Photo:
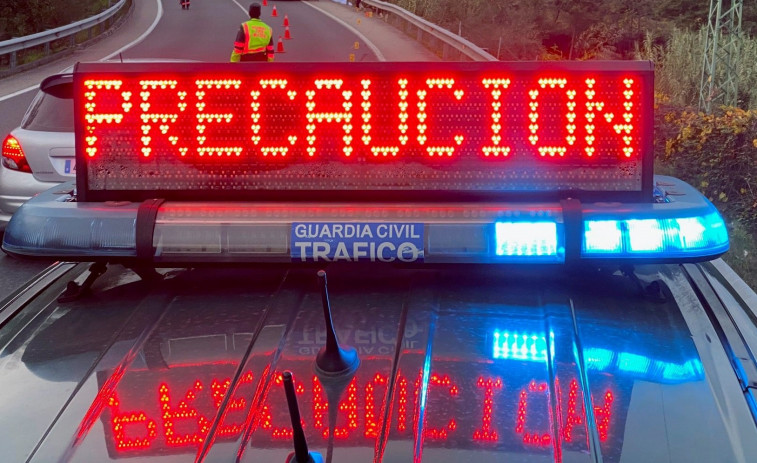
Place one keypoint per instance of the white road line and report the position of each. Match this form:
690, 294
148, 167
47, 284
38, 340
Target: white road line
141, 37
374, 48
240, 6
19, 92
125, 47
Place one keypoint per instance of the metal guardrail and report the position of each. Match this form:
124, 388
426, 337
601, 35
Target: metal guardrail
13, 46
448, 46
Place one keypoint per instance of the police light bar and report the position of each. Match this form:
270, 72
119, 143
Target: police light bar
364, 132
680, 226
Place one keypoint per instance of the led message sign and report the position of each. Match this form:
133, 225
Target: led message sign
378, 130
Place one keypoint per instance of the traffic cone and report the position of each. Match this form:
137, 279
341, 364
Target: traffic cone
273, 11
286, 20
287, 35
280, 48
265, 2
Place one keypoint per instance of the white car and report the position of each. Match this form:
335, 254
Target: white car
37, 154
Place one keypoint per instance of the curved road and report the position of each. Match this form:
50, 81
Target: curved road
321, 31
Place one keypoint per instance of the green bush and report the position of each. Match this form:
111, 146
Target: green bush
25, 17
678, 67
742, 257
716, 153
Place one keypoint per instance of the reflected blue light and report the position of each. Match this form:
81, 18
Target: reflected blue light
680, 372
526, 238
520, 346
598, 359
633, 363
532, 347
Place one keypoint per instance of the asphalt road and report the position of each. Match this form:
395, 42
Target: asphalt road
320, 31
205, 32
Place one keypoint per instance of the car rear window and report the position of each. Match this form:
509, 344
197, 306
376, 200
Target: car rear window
49, 114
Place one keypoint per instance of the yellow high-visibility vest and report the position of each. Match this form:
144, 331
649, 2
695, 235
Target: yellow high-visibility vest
258, 36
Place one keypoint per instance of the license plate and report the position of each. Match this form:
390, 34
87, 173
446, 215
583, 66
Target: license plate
69, 167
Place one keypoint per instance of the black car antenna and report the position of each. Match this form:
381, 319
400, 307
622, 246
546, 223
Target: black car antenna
332, 360
301, 453
335, 365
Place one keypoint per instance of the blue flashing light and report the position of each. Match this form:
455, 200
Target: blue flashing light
537, 239
656, 238
645, 235
678, 234
691, 232
603, 236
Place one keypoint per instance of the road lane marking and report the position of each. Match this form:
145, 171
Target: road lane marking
125, 47
374, 48
144, 34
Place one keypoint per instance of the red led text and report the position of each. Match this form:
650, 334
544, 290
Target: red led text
180, 415
546, 115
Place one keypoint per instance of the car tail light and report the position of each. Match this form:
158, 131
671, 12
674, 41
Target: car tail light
13, 155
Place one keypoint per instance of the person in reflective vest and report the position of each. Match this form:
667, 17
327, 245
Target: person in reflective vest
184, 4
254, 40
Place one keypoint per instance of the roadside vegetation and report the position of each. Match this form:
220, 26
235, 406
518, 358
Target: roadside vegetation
716, 153
19, 18
25, 17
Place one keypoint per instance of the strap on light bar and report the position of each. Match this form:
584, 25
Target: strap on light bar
572, 218
681, 226
145, 228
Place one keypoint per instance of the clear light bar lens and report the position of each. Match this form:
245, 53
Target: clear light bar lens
603, 236
645, 235
526, 238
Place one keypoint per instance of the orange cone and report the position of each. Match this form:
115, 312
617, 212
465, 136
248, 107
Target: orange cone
286, 20
287, 35
273, 11
280, 48
265, 2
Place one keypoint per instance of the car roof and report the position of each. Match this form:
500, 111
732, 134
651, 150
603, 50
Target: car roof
455, 362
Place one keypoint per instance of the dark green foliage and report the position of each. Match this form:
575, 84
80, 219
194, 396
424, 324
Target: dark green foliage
717, 153
569, 29
24, 17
